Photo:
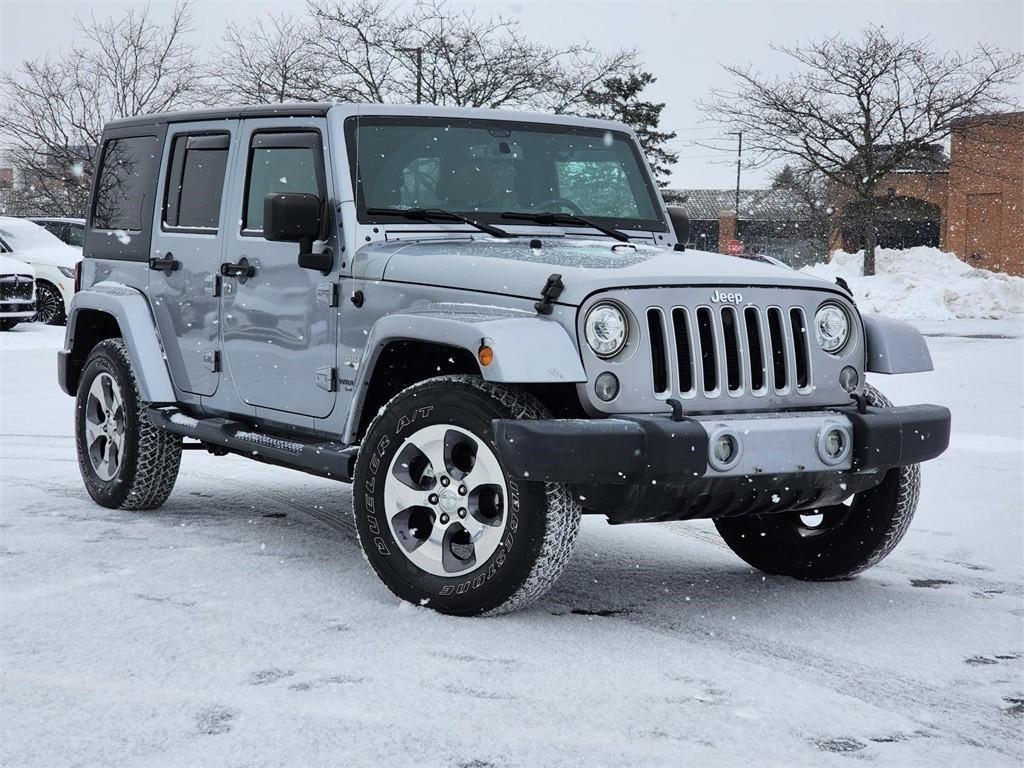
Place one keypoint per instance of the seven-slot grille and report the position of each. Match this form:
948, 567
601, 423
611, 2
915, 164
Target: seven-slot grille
708, 351
15, 287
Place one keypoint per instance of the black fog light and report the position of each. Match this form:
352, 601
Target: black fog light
849, 378
833, 444
607, 386
723, 449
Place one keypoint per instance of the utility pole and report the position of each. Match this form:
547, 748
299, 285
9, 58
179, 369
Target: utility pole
739, 157
418, 50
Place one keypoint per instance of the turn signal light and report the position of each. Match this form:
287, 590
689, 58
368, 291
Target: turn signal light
486, 355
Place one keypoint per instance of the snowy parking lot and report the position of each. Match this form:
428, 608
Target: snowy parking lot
240, 625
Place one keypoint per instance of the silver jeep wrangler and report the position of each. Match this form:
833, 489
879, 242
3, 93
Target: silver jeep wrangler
488, 322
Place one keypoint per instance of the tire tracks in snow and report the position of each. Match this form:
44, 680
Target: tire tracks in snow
936, 709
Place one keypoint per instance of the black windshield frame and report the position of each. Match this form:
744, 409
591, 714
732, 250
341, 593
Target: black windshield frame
353, 123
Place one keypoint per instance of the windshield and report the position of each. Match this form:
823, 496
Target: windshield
22, 235
484, 168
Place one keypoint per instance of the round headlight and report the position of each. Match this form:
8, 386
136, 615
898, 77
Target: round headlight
606, 329
832, 327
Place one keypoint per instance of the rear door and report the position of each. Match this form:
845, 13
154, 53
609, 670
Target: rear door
187, 250
280, 325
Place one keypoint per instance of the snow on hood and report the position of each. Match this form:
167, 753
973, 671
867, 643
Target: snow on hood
9, 266
513, 268
926, 284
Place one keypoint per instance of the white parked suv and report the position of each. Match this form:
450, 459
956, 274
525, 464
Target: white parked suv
17, 291
54, 264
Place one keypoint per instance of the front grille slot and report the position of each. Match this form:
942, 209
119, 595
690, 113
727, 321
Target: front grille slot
778, 347
15, 288
800, 347
708, 356
684, 357
659, 358
731, 334
755, 349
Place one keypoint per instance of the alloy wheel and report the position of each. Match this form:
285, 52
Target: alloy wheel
446, 500
48, 305
105, 426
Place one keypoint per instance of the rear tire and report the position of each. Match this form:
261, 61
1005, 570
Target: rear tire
455, 532
848, 538
125, 461
8, 323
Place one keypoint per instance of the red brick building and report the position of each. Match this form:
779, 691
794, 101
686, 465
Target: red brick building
971, 204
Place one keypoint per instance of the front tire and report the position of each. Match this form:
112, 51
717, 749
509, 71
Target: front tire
49, 305
440, 521
844, 539
125, 461
8, 323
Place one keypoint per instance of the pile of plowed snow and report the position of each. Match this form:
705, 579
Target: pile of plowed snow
926, 284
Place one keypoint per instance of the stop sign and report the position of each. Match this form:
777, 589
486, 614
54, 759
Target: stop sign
734, 247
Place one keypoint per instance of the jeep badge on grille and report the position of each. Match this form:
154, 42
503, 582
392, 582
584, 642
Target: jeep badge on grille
726, 298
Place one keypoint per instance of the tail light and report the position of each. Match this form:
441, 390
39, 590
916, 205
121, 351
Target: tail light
78, 277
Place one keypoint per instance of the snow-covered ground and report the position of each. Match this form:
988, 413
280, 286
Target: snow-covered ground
239, 625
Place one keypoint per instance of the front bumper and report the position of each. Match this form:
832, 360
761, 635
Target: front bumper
639, 450
17, 309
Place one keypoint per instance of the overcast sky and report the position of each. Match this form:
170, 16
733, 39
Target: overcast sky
683, 43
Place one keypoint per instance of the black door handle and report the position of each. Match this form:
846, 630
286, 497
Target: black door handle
167, 264
243, 269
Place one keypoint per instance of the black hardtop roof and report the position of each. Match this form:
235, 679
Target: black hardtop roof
225, 113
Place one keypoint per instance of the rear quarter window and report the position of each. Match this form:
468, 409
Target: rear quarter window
124, 188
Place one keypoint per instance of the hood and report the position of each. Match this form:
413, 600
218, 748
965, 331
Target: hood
513, 268
67, 256
9, 266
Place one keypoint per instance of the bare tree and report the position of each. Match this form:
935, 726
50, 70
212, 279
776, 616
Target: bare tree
271, 61
54, 108
855, 110
375, 50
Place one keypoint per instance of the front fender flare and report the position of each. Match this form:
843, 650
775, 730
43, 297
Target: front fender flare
894, 346
528, 349
130, 310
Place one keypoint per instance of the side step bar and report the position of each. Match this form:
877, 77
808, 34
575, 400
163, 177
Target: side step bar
324, 458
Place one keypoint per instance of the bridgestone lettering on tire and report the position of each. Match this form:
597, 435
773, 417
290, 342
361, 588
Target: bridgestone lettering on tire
125, 461
455, 532
846, 540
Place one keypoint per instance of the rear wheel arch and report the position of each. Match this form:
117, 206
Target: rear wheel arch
86, 328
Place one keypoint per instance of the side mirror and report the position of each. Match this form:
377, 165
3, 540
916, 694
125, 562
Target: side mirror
680, 224
296, 217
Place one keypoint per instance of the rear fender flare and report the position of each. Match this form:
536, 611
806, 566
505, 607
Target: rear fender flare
130, 309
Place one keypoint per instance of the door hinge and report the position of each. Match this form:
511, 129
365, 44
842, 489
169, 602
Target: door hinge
327, 378
212, 285
327, 293
211, 358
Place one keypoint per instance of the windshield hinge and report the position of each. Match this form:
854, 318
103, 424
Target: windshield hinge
552, 290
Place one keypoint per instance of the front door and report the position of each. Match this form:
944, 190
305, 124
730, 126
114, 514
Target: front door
187, 250
279, 325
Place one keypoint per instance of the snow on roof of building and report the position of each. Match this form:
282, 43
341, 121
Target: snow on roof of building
755, 204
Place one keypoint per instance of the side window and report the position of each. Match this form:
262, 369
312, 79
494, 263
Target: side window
195, 181
281, 162
126, 179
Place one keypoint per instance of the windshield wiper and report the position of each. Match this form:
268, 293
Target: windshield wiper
565, 218
437, 214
